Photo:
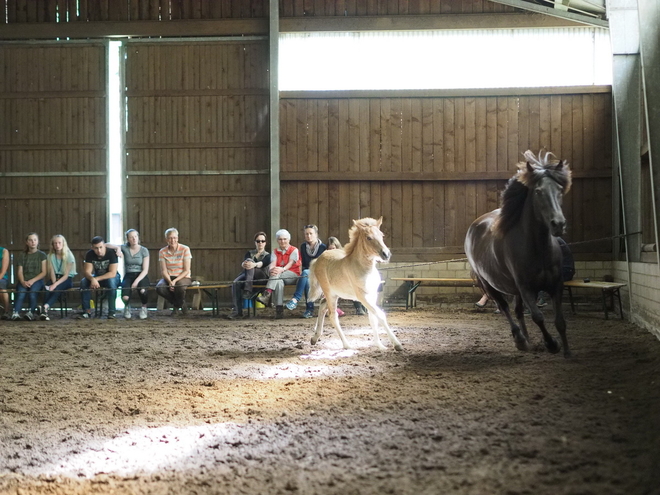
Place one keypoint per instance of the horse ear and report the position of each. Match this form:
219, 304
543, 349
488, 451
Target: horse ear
380, 222
529, 167
560, 165
354, 222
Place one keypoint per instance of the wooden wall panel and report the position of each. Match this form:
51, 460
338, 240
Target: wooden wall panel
430, 166
298, 8
197, 148
52, 143
130, 10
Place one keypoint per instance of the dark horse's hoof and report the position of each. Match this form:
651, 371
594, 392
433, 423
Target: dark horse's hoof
553, 346
521, 344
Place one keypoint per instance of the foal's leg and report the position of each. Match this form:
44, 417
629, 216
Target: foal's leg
319, 322
376, 316
560, 323
334, 317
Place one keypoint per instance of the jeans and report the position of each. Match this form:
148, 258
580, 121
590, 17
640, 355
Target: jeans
302, 287
244, 282
54, 296
108, 283
33, 292
142, 286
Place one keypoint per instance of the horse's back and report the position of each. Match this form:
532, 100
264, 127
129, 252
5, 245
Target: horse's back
340, 275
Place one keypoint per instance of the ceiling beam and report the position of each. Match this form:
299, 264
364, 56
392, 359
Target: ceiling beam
542, 9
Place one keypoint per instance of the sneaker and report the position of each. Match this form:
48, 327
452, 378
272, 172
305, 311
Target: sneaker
15, 316
308, 314
541, 303
340, 312
127, 312
264, 298
360, 311
84, 316
143, 313
44, 316
292, 304
28, 316
111, 315
234, 315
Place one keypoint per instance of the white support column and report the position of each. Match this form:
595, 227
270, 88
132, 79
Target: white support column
649, 40
626, 89
274, 111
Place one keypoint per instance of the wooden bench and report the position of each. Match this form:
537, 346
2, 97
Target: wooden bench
414, 282
611, 289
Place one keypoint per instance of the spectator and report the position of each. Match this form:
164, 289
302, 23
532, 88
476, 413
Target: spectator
61, 270
175, 260
31, 271
99, 271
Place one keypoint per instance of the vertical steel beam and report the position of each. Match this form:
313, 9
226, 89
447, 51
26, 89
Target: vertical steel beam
649, 40
274, 114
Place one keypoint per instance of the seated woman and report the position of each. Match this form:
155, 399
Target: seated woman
284, 269
175, 260
311, 249
360, 310
136, 269
61, 270
4, 281
31, 270
255, 266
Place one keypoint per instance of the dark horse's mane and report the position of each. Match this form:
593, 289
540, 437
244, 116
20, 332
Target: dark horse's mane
529, 173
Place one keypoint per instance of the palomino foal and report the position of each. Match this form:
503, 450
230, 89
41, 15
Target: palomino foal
351, 274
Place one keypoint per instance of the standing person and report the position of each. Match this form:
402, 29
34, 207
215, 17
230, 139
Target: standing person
255, 266
360, 310
311, 249
174, 260
4, 281
61, 270
99, 270
284, 269
30, 273
136, 269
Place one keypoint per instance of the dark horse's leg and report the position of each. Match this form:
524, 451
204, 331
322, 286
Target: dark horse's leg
518, 336
560, 323
520, 315
529, 298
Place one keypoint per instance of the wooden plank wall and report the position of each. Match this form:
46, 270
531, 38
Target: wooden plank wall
164, 10
128, 10
52, 143
430, 166
197, 148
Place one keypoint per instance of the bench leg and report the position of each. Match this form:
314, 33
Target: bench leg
570, 298
605, 304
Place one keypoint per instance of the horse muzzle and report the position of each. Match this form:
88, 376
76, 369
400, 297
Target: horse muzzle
385, 254
558, 227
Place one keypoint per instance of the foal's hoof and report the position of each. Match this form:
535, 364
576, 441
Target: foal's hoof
398, 347
314, 340
553, 346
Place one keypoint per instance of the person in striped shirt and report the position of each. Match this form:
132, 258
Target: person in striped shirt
174, 260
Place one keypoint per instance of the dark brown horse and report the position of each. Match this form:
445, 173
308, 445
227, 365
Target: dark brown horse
514, 250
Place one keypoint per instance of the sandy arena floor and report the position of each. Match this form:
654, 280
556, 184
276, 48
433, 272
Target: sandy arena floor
206, 405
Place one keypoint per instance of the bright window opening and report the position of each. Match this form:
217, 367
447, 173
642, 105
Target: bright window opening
445, 59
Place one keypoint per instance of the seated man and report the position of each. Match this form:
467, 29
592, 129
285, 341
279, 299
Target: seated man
99, 270
174, 260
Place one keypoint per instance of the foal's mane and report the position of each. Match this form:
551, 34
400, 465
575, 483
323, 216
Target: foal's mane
359, 226
529, 173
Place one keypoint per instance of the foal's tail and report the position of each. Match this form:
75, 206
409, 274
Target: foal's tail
315, 291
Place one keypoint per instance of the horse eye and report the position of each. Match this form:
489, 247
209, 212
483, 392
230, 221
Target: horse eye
369, 238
